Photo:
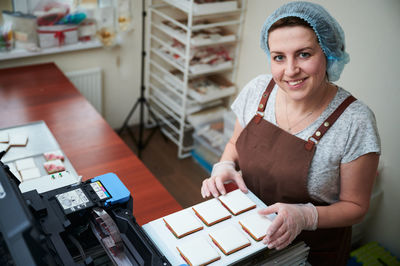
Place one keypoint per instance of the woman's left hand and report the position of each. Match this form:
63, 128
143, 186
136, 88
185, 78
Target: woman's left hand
290, 221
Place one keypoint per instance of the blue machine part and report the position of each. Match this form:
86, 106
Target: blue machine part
118, 192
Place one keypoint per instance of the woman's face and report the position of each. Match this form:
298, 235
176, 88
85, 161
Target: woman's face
298, 63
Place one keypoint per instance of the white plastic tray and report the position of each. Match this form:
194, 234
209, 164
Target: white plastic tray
206, 8
175, 104
206, 68
212, 94
167, 242
197, 41
40, 140
198, 69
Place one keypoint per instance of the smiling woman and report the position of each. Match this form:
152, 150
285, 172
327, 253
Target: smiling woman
298, 65
305, 146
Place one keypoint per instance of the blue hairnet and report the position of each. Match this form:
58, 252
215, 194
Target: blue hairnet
329, 33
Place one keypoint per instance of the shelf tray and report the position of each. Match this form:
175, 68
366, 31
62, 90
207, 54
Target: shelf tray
206, 8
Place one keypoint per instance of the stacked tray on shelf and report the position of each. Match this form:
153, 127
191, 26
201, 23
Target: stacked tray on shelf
202, 89
208, 36
204, 8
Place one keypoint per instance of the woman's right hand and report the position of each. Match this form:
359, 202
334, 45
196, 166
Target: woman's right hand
222, 172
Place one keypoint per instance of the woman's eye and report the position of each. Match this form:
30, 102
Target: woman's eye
278, 58
305, 55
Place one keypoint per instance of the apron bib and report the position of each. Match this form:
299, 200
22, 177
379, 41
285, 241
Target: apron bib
275, 165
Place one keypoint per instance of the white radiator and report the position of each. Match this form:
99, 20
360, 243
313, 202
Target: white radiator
89, 83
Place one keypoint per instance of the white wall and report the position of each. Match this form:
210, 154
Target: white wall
373, 42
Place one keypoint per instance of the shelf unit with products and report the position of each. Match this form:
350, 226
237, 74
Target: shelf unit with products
39, 27
192, 51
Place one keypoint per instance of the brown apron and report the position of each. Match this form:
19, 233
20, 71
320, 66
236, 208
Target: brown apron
275, 165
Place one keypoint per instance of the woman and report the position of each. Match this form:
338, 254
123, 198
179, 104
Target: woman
304, 146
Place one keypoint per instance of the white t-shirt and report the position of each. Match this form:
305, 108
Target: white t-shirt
352, 135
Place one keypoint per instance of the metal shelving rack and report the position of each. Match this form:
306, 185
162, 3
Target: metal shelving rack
167, 92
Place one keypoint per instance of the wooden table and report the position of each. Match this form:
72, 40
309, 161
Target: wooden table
42, 92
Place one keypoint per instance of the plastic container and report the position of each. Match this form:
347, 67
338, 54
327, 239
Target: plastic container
198, 157
6, 37
24, 28
209, 144
105, 16
49, 12
372, 254
204, 154
124, 15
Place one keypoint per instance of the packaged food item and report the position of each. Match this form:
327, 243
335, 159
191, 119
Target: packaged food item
124, 15
54, 155
49, 12
6, 37
54, 166
107, 36
23, 27
75, 18
87, 28
106, 31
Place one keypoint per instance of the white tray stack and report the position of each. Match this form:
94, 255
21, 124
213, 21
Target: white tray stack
192, 61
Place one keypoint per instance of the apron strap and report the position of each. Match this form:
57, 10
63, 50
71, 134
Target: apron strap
263, 101
320, 132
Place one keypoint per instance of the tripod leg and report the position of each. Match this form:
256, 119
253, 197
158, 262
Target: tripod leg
132, 136
142, 100
157, 123
154, 129
128, 117
140, 145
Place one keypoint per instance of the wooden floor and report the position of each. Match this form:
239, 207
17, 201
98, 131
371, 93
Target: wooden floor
181, 177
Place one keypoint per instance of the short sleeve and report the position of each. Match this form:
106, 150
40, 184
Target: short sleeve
363, 136
245, 104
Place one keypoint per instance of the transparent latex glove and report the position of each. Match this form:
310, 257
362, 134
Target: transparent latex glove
222, 172
290, 221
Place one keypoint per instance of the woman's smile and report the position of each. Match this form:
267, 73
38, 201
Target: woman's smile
296, 83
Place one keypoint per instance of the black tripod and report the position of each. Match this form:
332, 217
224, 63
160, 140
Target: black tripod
141, 101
